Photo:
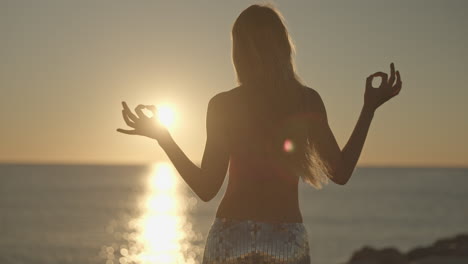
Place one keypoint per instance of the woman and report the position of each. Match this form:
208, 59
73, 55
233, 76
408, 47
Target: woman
271, 130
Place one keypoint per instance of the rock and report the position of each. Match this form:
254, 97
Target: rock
441, 260
369, 255
444, 251
457, 246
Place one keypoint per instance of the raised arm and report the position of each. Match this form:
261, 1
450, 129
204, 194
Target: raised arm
205, 181
343, 162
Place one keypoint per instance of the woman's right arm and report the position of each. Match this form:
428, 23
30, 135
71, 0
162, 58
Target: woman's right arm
342, 163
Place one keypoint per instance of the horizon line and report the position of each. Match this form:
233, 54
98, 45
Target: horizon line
148, 163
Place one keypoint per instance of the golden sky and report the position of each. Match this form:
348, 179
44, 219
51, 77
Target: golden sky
65, 66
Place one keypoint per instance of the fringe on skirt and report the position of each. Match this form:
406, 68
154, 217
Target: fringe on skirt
246, 242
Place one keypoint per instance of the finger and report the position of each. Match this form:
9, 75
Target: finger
398, 77
125, 106
398, 85
369, 81
128, 132
139, 112
398, 80
127, 110
396, 92
152, 108
384, 77
392, 75
127, 120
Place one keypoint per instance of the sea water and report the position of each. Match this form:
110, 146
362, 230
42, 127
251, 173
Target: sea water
146, 214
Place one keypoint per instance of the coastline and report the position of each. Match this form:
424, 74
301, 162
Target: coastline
452, 250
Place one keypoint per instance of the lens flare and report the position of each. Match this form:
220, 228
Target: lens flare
288, 146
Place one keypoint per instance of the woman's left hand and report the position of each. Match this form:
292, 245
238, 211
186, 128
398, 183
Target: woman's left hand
389, 87
143, 125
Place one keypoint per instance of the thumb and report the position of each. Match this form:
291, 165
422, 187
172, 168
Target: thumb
152, 108
369, 81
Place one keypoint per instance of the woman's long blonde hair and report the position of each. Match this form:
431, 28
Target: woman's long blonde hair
262, 54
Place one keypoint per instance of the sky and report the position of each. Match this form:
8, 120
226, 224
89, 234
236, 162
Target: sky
65, 66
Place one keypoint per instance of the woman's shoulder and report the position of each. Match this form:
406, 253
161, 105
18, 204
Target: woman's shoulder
239, 92
310, 91
222, 99
314, 100
225, 96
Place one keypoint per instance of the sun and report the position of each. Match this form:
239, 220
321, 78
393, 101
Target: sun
166, 115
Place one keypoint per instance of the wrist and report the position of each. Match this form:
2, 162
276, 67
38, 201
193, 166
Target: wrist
165, 140
368, 110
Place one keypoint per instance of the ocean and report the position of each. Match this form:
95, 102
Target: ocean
145, 214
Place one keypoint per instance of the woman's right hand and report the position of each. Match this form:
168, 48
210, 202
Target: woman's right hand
390, 87
143, 125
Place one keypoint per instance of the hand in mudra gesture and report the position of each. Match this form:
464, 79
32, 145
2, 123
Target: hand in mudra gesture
390, 87
143, 125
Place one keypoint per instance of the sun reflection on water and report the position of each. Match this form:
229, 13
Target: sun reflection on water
162, 234
166, 233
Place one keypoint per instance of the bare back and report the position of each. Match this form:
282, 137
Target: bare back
260, 186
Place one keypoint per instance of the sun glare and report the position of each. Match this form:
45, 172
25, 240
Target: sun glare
166, 115
163, 236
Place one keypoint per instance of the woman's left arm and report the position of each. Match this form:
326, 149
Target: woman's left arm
206, 180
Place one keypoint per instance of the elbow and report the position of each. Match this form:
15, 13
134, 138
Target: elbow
206, 196
340, 177
340, 180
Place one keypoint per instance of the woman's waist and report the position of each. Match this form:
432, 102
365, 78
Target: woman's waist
235, 207
251, 222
